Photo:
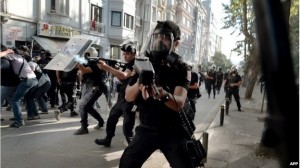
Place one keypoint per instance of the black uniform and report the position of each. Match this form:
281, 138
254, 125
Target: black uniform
192, 93
93, 87
211, 83
233, 90
160, 127
219, 81
122, 108
67, 88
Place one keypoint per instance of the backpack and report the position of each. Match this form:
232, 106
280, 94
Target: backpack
14, 79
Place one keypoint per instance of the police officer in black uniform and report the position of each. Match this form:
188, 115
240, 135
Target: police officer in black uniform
67, 82
93, 87
219, 80
121, 107
211, 81
193, 88
232, 84
160, 124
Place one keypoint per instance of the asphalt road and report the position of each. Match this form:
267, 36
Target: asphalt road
49, 143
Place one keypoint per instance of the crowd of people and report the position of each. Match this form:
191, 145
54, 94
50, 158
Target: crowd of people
156, 96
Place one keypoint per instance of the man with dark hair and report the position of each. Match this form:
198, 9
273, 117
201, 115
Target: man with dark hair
160, 125
121, 107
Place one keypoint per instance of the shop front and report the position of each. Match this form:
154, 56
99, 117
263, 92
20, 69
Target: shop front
53, 37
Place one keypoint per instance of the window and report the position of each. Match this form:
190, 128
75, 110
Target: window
115, 52
53, 5
96, 13
160, 15
154, 14
128, 21
59, 6
116, 18
62, 4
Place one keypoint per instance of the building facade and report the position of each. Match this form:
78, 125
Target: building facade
110, 23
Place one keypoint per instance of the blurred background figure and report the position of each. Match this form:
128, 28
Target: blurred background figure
219, 80
211, 81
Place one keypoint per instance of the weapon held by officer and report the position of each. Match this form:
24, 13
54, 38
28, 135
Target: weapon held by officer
146, 73
110, 62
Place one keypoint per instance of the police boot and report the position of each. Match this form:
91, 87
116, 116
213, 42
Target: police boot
105, 142
81, 131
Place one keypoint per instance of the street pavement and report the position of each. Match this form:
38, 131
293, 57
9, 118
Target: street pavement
49, 143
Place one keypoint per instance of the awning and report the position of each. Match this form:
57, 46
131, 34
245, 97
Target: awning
53, 45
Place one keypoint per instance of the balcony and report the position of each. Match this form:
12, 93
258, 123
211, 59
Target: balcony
97, 27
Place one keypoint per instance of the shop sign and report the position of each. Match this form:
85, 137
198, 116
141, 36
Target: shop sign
13, 33
52, 30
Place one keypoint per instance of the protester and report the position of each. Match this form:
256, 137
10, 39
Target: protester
9, 80
28, 81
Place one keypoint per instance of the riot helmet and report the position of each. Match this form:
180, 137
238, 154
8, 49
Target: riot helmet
129, 47
91, 52
161, 41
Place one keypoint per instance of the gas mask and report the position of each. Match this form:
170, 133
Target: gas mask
161, 44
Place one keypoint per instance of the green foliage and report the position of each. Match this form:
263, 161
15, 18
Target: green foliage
234, 18
220, 61
294, 34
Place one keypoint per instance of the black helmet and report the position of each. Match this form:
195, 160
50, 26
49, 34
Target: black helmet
128, 47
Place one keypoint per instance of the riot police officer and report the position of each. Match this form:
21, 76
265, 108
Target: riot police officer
232, 84
160, 125
211, 81
122, 107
